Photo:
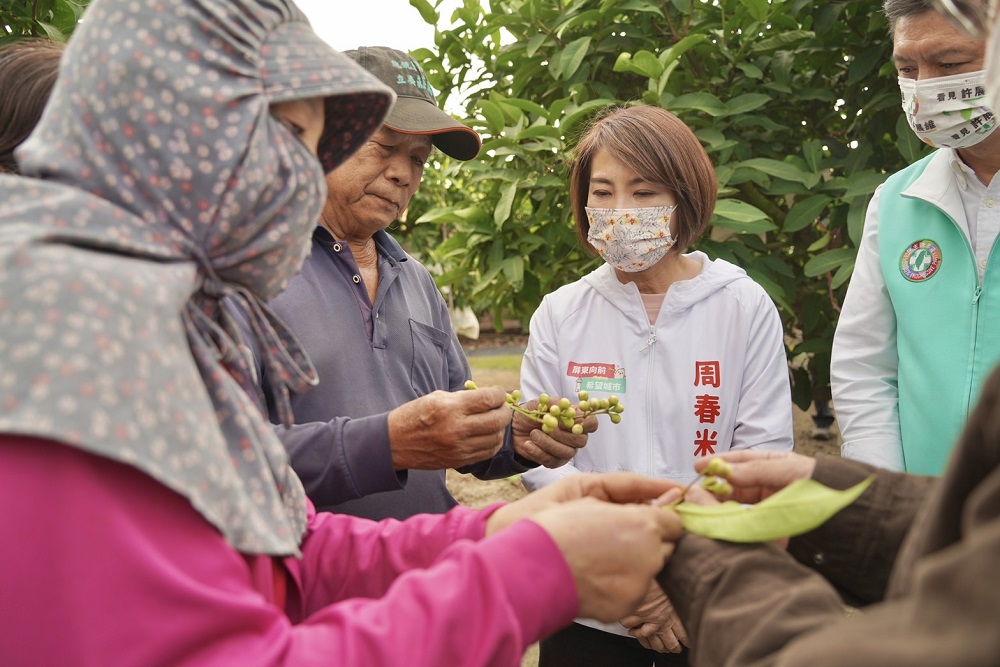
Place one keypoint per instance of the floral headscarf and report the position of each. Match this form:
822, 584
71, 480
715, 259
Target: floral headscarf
163, 185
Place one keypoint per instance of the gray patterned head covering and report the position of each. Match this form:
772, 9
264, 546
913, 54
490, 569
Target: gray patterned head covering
163, 185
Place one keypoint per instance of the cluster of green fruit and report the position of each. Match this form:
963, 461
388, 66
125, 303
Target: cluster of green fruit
714, 478
563, 413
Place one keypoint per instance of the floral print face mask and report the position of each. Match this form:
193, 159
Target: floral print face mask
631, 239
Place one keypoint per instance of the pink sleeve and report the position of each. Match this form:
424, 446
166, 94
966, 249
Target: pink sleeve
104, 566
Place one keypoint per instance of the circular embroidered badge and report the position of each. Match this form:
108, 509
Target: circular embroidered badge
920, 261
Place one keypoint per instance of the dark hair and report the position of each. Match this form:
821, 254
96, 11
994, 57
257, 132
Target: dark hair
897, 9
28, 69
661, 149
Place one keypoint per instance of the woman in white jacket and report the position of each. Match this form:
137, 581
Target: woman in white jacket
693, 347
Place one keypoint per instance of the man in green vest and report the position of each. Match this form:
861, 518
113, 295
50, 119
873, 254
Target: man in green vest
920, 327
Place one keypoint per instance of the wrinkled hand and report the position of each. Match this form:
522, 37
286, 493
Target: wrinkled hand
550, 450
613, 549
655, 624
758, 474
448, 429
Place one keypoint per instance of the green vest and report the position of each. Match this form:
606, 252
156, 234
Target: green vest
947, 325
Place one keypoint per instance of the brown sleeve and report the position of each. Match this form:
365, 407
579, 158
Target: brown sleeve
856, 549
755, 606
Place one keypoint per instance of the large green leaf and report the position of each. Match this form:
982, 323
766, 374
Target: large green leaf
800, 507
828, 261
493, 115
805, 212
757, 8
783, 170
738, 211
642, 62
572, 56
706, 102
747, 102
502, 211
427, 11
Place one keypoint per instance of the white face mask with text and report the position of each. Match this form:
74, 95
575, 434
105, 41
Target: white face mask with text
949, 111
631, 239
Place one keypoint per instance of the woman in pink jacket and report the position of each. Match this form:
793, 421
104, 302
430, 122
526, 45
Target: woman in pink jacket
148, 512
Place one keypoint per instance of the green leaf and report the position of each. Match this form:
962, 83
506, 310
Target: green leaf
812, 152
843, 274
805, 212
819, 243
751, 227
747, 102
828, 261
782, 40
751, 70
734, 209
494, 116
782, 170
572, 56
53, 33
643, 62
706, 102
756, 8
502, 211
864, 183
427, 12
800, 507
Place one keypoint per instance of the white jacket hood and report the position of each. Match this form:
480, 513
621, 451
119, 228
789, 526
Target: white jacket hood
682, 295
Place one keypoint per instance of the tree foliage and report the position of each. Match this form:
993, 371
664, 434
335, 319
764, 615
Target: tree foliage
55, 19
795, 101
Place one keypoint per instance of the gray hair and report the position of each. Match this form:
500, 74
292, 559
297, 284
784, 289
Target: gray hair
897, 9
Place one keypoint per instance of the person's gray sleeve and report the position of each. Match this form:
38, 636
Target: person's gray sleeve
340, 460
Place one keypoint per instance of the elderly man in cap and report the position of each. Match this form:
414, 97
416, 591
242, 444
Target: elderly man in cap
375, 437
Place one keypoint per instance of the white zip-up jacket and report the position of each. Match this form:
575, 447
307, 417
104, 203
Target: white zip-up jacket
709, 376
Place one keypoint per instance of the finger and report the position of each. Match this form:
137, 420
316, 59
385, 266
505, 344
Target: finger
529, 450
554, 445
669, 497
700, 496
590, 424
553, 453
670, 526
640, 630
490, 423
657, 644
625, 487
483, 399
742, 456
680, 632
566, 437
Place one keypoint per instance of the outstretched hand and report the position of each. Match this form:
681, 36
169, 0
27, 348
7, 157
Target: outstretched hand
757, 474
614, 541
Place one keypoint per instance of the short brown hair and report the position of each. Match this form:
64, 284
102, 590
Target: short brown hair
28, 69
661, 149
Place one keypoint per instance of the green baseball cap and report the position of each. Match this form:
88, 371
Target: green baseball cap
415, 110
